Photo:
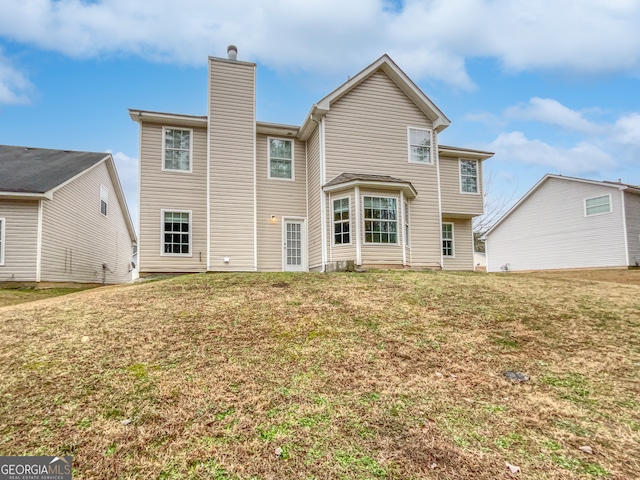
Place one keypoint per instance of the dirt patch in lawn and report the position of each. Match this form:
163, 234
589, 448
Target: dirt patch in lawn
363, 376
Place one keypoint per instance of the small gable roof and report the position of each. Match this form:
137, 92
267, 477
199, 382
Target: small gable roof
389, 67
38, 170
347, 180
547, 177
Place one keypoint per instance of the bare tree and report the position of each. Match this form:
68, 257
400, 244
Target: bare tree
495, 206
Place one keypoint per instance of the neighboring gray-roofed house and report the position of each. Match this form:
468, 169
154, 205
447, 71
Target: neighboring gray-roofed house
63, 217
566, 222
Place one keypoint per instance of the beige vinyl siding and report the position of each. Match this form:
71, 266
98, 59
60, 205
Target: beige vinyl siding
549, 230
454, 202
462, 245
366, 133
232, 163
77, 239
172, 191
313, 198
341, 252
632, 210
280, 198
20, 240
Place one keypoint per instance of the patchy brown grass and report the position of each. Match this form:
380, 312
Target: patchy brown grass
12, 295
356, 376
623, 276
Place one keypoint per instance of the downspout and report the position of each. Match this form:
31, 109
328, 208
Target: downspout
403, 230
624, 228
208, 167
39, 243
323, 206
358, 232
437, 162
255, 178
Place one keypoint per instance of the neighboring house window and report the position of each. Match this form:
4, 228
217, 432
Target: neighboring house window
447, 239
380, 220
419, 145
341, 222
597, 205
2, 228
280, 158
469, 176
104, 198
177, 149
176, 233
406, 224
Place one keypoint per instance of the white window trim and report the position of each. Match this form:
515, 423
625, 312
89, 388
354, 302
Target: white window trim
430, 133
190, 130
104, 196
3, 229
176, 210
305, 243
453, 240
293, 156
333, 222
364, 219
460, 160
601, 213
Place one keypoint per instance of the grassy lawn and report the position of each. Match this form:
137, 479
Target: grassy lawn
14, 296
356, 376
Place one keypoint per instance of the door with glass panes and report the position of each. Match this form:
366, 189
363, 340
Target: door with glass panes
294, 255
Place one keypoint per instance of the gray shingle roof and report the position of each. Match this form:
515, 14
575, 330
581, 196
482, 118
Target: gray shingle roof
348, 177
38, 170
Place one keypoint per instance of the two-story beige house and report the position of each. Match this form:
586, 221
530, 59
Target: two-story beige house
363, 178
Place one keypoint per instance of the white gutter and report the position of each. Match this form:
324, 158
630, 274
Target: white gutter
624, 228
39, 242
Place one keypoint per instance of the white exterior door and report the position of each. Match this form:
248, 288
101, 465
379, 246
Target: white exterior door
294, 255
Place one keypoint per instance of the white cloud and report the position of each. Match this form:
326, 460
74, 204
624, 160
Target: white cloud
627, 130
14, 85
429, 39
583, 158
548, 110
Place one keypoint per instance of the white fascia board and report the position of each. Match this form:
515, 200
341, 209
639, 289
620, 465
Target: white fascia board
408, 190
27, 195
266, 128
168, 118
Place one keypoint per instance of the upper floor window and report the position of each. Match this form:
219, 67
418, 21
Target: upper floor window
280, 158
447, 239
597, 205
341, 222
469, 176
104, 198
177, 150
419, 145
176, 233
380, 220
2, 228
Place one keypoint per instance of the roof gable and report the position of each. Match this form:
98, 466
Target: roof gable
549, 176
403, 82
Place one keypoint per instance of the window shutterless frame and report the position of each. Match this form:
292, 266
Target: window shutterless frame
177, 235
280, 153
341, 208
419, 145
448, 240
380, 220
600, 205
469, 176
104, 200
177, 148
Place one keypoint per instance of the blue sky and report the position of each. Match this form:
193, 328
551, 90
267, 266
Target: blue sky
551, 86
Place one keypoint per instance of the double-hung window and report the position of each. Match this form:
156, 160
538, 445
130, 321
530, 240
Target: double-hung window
419, 145
469, 176
380, 220
104, 198
447, 240
341, 222
597, 205
176, 233
281, 158
177, 150
2, 229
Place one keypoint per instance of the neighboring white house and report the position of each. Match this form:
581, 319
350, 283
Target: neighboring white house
565, 222
63, 218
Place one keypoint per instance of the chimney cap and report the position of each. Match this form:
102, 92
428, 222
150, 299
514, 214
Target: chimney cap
232, 52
